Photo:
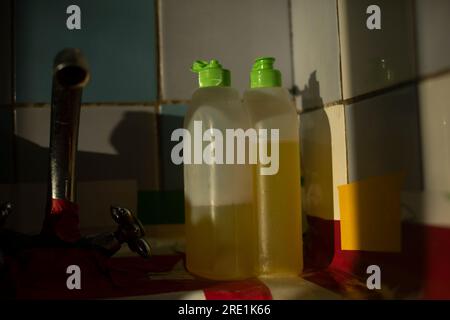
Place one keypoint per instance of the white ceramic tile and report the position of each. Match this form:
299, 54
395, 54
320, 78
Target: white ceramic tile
374, 59
114, 143
324, 160
95, 199
434, 98
383, 137
234, 31
433, 44
33, 124
427, 207
315, 52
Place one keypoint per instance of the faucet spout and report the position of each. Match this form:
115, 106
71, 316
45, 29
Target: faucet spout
70, 75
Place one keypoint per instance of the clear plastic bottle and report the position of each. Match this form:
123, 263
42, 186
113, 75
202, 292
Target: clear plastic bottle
220, 216
277, 196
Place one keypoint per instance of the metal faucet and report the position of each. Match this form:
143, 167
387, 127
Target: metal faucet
70, 76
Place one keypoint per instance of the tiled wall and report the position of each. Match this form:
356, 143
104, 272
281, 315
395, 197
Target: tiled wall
6, 115
140, 55
118, 159
234, 32
371, 102
434, 100
374, 111
315, 45
118, 40
374, 102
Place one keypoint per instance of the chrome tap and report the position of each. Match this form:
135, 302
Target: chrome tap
70, 76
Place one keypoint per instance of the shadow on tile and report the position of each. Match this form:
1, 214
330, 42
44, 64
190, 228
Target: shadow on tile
131, 138
310, 94
383, 132
135, 158
172, 175
317, 175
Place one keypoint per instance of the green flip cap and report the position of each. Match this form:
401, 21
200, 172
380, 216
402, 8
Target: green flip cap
211, 74
263, 74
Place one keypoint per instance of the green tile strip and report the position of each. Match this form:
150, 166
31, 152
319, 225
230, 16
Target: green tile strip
161, 207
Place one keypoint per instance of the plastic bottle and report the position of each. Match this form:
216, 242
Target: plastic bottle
277, 196
220, 217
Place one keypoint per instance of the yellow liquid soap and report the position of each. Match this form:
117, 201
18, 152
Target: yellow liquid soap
220, 241
279, 214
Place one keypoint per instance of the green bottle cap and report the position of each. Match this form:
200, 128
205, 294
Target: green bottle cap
263, 74
211, 74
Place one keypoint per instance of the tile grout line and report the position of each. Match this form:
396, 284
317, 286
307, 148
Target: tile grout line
341, 87
291, 47
90, 104
347, 101
111, 104
414, 37
158, 49
15, 173
156, 104
434, 75
175, 101
159, 96
381, 91
417, 93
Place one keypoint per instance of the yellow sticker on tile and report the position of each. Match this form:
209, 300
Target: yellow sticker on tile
370, 214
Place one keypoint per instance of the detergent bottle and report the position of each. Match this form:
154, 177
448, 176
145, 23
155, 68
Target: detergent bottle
277, 191
220, 217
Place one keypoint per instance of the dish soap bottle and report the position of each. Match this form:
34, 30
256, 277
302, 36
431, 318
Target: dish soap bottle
277, 193
220, 217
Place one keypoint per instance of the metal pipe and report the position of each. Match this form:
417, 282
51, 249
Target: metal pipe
70, 75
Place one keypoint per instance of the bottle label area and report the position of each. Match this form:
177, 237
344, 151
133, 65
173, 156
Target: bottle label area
230, 146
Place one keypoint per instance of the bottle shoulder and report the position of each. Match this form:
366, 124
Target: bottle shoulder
213, 94
218, 106
269, 102
272, 108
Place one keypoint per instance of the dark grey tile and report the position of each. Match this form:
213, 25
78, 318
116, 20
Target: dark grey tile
383, 137
433, 45
117, 37
170, 119
6, 52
